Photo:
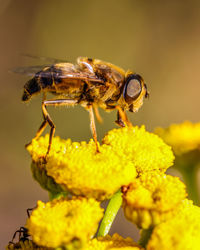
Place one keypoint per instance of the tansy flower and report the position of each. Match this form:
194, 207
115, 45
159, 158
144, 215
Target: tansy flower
146, 150
26, 245
64, 222
115, 242
77, 167
153, 198
184, 139
182, 232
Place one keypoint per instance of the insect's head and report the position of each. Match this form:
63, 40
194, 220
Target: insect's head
134, 91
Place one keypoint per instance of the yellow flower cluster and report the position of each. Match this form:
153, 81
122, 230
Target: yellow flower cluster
78, 168
64, 222
183, 137
115, 242
153, 198
182, 232
145, 149
130, 158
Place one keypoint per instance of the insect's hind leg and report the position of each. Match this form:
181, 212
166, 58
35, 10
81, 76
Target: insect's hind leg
47, 118
39, 132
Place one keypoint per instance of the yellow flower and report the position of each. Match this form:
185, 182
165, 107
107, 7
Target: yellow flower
146, 150
115, 242
185, 141
183, 137
78, 168
153, 198
64, 222
26, 245
182, 232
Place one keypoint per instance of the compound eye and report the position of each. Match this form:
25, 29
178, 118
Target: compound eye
133, 88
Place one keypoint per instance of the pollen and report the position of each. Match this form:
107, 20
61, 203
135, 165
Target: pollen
145, 149
77, 167
153, 198
115, 242
64, 222
180, 232
183, 138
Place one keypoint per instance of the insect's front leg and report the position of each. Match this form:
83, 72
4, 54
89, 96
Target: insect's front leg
122, 119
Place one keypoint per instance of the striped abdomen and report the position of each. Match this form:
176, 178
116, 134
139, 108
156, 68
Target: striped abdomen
43, 80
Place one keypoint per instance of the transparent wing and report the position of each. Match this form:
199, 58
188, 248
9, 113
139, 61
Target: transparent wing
29, 70
59, 71
44, 58
32, 70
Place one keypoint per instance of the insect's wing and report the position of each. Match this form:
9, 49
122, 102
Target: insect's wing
44, 58
70, 72
29, 70
32, 70
58, 71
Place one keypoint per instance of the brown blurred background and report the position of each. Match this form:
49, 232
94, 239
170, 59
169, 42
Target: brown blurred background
158, 39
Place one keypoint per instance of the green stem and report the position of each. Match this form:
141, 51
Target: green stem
145, 236
110, 214
190, 179
53, 196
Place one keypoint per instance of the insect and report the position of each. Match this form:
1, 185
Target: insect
23, 235
92, 83
22, 231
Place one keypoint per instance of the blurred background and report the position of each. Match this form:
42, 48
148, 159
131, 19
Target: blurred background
158, 39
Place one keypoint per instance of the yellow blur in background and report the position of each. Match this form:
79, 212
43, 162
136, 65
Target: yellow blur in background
158, 39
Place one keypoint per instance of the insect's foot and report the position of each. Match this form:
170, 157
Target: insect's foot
120, 123
26, 145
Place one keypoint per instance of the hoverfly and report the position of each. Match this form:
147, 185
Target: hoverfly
92, 83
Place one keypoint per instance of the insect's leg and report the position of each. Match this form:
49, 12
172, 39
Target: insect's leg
48, 120
39, 132
18, 231
93, 127
122, 118
29, 210
57, 102
42, 126
98, 116
119, 120
14, 235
